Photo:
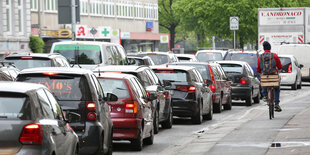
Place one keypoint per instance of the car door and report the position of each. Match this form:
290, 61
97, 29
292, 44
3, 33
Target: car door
218, 86
225, 84
297, 67
205, 90
254, 81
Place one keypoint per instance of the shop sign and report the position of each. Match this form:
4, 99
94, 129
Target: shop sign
149, 26
102, 32
164, 39
125, 35
285, 17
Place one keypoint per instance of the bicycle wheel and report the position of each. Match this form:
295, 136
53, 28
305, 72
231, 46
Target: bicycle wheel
271, 102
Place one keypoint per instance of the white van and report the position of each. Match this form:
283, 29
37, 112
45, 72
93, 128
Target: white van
89, 54
302, 54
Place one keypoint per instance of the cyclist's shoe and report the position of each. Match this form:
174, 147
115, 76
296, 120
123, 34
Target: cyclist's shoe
277, 108
265, 99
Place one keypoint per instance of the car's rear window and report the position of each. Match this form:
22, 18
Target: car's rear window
286, 62
80, 53
209, 56
232, 68
250, 58
14, 106
29, 62
172, 75
63, 86
184, 59
158, 59
116, 86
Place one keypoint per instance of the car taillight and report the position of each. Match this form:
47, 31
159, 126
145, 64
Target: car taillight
166, 95
31, 135
91, 106
91, 116
132, 107
26, 57
50, 73
212, 87
290, 68
211, 74
244, 80
189, 89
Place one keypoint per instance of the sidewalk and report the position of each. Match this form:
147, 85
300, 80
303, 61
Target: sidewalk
294, 137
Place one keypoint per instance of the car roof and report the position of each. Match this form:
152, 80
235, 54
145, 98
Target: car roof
115, 75
42, 55
286, 55
19, 87
243, 52
120, 68
178, 67
212, 51
185, 55
232, 62
189, 63
62, 70
156, 53
83, 42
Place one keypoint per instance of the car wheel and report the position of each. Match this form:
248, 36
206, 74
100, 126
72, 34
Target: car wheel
248, 101
299, 85
197, 119
257, 98
137, 143
168, 123
156, 121
217, 107
110, 146
209, 116
149, 140
101, 148
294, 86
227, 106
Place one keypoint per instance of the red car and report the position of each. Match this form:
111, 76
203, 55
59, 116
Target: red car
132, 113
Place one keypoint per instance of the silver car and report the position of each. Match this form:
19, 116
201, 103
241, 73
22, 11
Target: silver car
291, 74
32, 122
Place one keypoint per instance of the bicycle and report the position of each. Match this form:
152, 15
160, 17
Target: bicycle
270, 97
270, 82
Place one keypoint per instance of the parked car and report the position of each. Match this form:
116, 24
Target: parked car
8, 72
78, 91
245, 85
132, 113
191, 97
186, 57
33, 60
162, 105
159, 57
32, 122
219, 84
291, 72
210, 55
140, 61
89, 54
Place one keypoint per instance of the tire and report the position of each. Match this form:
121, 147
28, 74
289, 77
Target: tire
168, 123
137, 143
156, 121
257, 98
110, 151
248, 101
217, 107
227, 106
294, 86
149, 140
209, 116
197, 119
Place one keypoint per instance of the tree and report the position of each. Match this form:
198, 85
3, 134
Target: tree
168, 19
36, 44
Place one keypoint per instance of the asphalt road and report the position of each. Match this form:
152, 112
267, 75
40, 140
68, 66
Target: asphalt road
242, 130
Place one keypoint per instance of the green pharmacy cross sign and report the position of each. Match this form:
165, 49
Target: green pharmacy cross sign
105, 32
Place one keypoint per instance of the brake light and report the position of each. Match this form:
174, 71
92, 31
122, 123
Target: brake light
151, 53
212, 87
244, 80
31, 135
112, 72
50, 73
211, 74
92, 116
290, 68
148, 94
165, 69
91, 106
189, 89
166, 95
26, 57
132, 107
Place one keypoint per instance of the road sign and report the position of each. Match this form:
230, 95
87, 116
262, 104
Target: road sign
234, 23
93, 31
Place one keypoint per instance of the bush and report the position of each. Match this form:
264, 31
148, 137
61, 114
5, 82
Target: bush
36, 44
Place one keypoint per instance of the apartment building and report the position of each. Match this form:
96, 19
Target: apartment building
15, 26
133, 23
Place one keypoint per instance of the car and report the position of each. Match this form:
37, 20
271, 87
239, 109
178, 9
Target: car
248, 56
89, 54
159, 57
186, 57
132, 113
162, 108
245, 85
8, 72
139, 61
218, 83
191, 97
291, 72
32, 122
210, 55
78, 90
33, 60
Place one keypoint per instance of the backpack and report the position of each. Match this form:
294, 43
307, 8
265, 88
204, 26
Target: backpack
267, 63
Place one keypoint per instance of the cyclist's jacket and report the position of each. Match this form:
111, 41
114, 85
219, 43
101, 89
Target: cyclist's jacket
275, 57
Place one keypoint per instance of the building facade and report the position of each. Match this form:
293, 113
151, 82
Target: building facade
133, 23
15, 27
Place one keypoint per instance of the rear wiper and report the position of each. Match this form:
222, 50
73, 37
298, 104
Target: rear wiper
3, 116
120, 88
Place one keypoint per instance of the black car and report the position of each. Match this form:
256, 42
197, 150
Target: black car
191, 97
78, 91
161, 105
245, 85
158, 58
33, 60
32, 122
8, 72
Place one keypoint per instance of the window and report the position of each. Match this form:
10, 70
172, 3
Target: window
45, 104
51, 5
56, 108
20, 7
34, 5
95, 7
83, 7
8, 10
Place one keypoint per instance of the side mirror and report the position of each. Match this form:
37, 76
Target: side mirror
111, 97
72, 117
301, 65
166, 83
208, 81
152, 96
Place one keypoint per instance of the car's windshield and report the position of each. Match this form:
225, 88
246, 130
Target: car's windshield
14, 106
114, 86
80, 53
64, 87
286, 63
232, 68
171, 75
29, 62
158, 59
209, 56
250, 58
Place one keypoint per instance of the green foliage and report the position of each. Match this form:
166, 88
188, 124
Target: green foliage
36, 44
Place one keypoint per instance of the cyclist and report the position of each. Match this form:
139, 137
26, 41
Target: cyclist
278, 66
